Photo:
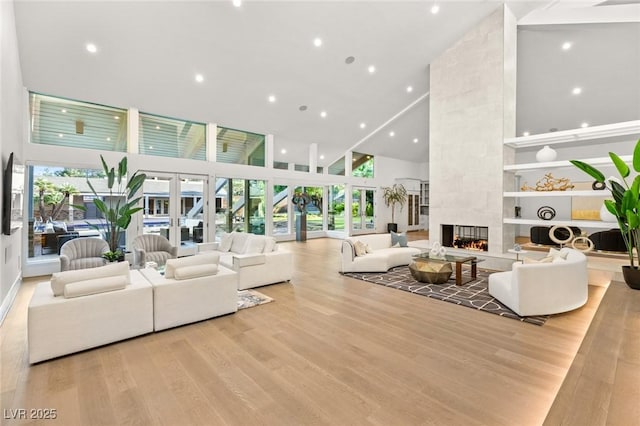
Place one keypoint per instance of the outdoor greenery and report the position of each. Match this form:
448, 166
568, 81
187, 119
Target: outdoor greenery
47, 194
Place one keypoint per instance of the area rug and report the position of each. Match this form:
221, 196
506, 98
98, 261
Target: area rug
473, 295
251, 298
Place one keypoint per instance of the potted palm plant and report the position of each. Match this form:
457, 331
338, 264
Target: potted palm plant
625, 206
395, 194
119, 205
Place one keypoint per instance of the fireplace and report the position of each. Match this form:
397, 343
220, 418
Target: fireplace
466, 237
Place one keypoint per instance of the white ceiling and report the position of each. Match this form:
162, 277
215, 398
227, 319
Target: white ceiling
149, 52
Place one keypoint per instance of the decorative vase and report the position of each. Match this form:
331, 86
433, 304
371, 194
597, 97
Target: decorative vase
546, 154
606, 216
631, 277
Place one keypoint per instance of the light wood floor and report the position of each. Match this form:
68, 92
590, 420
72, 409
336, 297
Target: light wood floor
330, 350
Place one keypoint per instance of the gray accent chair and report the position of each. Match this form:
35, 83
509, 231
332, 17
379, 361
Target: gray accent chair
152, 248
83, 253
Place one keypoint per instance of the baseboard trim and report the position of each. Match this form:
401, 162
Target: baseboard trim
8, 301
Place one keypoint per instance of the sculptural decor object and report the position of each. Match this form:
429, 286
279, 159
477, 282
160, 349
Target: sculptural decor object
549, 183
546, 213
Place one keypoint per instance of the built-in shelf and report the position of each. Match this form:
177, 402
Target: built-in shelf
578, 223
555, 164
521, 194
595, 134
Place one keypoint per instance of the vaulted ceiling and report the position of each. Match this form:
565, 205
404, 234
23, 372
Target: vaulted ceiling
148, 54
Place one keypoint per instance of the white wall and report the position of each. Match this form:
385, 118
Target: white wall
12, 110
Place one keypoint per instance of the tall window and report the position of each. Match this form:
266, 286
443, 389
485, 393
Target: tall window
336, 208
240, 205
53, 193
362, 165
239, 147
337, 168
63, 122
280, 209
314, 208
168, 137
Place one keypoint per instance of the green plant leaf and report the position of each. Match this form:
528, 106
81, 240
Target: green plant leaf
100, 205
588, 169
622, 167
611, 207
122, 169
78, 207
104, 165
628, 203
633, 220
636, 157
617, 191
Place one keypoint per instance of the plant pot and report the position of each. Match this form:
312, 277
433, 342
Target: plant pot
631, 277
392, 227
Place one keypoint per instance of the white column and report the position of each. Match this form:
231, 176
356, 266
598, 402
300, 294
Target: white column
472, 110
348, 163
313, 158
269, 146
133, 124
211, 142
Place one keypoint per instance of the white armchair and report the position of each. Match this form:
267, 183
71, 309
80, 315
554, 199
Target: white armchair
543, 288
152, 248
83, 253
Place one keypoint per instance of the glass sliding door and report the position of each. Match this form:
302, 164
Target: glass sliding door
281, 210
239, 206
336, 208
174, 207
315, 220
362, 210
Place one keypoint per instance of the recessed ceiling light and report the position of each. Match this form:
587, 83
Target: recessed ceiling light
199, 78
323, 114
566, 45
302, 107
317, 42
585, 124
272, 98
115, 117
322, 157
371, 69
349, 60
409, 89
525, 133
150, 146
576, 90
60, 135
435, 9
157, 127
392, 133
108, 139
237, 3
92, 48
363, 125
415, 140
64, 111
283, 151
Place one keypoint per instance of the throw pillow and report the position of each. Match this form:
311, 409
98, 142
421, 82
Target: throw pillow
557, 255
256, 244
200, 259
368, 248
269, 245
60, 279
398, 239
360, 248
195, 271
95, 286
528, 260
240, 242
226, 241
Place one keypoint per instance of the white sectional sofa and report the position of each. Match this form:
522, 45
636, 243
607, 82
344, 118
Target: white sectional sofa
256, 258
86, 308
543, 288
193, 288
382, 255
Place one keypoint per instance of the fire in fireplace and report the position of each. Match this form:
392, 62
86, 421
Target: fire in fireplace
466, 237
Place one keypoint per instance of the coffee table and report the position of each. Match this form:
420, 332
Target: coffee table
458, 260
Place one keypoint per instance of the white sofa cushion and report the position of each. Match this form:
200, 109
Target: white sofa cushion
269, 245
240, 242
95, 286
60, 279
256, 244
226, 241
360, 248
200, 259
195, 271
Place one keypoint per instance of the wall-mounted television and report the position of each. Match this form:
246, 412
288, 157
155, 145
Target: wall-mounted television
12, 196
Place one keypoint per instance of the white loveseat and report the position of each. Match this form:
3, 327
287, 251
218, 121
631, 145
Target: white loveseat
193, 288
543, 288
381, 258
256, 258
86, 308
